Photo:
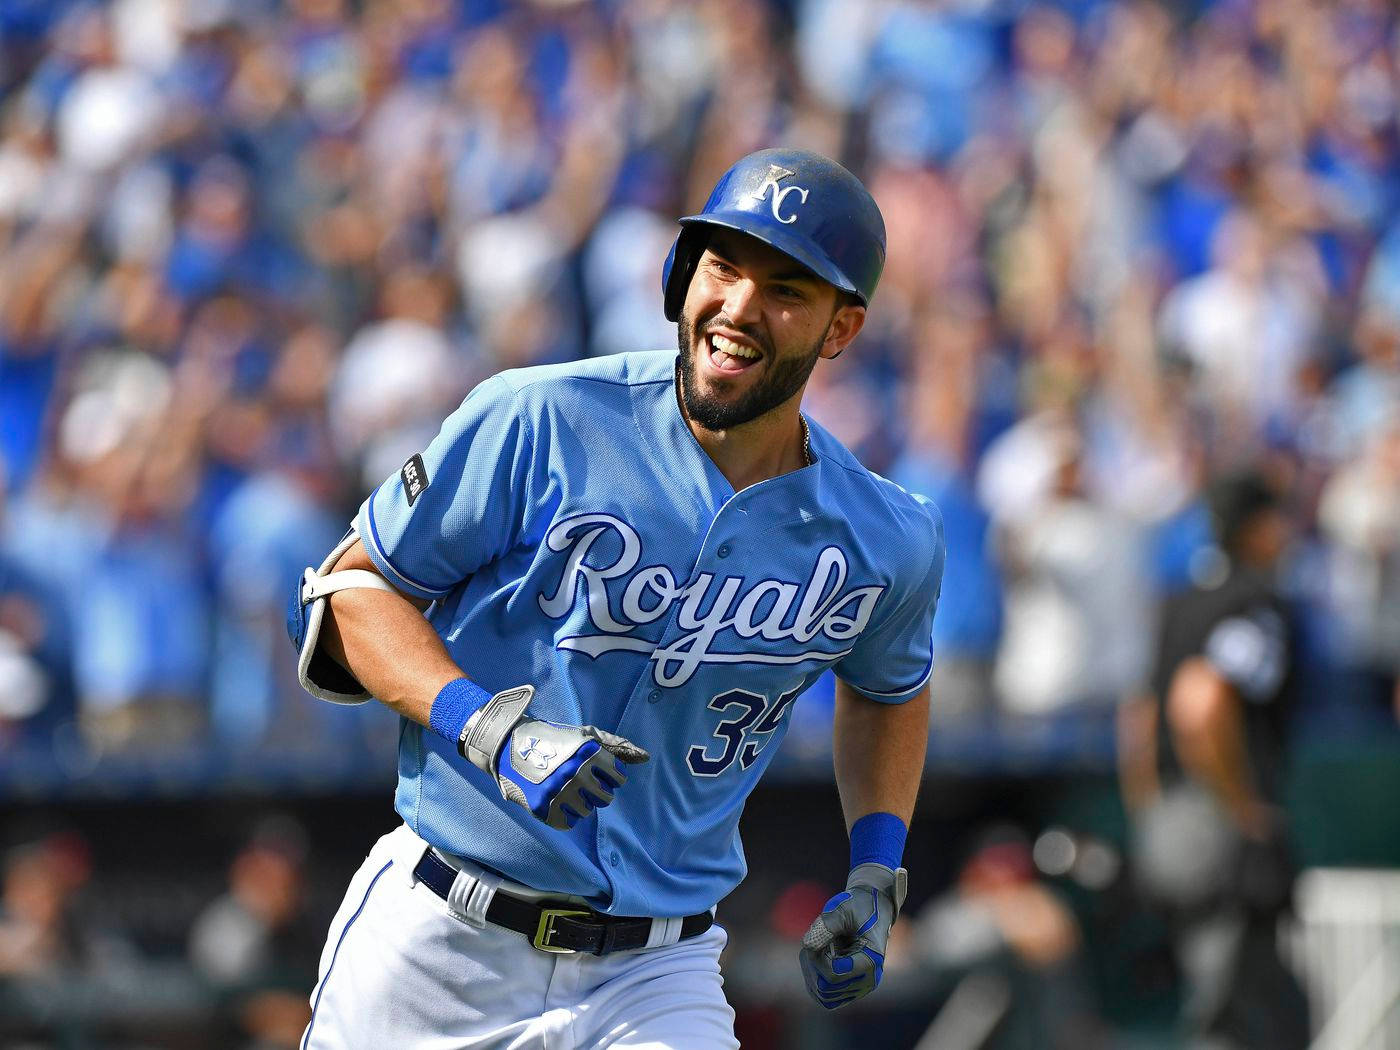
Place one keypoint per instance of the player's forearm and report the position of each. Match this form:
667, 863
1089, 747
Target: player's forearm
879, 753
879, 762
383, 639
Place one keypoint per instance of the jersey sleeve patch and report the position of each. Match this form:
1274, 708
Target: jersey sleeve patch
414, 477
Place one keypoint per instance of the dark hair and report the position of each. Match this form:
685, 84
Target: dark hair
1235, 500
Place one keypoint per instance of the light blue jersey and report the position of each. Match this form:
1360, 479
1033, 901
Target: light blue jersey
575, 536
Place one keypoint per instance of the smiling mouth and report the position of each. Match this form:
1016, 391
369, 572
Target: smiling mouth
729, 356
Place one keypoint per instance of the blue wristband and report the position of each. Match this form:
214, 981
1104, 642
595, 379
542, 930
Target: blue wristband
458, 700
878, 838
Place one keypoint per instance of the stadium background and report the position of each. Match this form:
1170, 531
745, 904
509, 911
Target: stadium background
252, 252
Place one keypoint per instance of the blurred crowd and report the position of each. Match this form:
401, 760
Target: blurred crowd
222, 953
252, 252
221, 959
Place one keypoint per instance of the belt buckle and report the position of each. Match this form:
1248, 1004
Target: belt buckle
545, 930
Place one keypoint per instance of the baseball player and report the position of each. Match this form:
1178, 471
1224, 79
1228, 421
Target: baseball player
593, 601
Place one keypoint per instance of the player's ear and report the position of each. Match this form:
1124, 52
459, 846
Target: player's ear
845, 325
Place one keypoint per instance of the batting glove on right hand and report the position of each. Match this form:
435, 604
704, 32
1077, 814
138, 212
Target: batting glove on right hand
560, 773
843, 952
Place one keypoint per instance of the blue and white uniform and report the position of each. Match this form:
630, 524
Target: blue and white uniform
573, 535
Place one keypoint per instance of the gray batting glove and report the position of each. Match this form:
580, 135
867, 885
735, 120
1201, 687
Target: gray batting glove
560, 773
843, 952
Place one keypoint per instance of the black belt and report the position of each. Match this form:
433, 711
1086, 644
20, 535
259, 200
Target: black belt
565, 929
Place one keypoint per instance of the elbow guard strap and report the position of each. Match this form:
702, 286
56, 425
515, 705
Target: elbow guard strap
320, 675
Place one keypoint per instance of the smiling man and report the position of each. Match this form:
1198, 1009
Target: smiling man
593, 600
743, 294
752, 329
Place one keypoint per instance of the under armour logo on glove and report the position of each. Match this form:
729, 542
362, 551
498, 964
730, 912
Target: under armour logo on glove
537, 753
843, 952
563, 773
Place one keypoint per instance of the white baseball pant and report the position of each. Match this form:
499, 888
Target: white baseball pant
400, 970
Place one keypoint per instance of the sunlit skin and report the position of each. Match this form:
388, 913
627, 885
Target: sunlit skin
745, 412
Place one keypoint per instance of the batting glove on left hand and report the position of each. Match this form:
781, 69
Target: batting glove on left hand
843, 952
560, 773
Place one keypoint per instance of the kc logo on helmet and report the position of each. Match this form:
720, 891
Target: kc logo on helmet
776, 173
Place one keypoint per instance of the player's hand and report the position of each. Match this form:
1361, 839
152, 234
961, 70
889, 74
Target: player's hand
563, 773
560, 773
843, 952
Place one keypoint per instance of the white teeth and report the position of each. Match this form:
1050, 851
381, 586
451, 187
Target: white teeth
732, 348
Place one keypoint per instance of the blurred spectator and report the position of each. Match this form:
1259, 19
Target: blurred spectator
1360, 515
253, 943
36, 688
267, 532
39, 932
34, 280
56, 958
1077, 596
140, 611
947, 390
397, 378
1203, 763
621, 283
1248, 325
1365, 397
1014, 949
282, 515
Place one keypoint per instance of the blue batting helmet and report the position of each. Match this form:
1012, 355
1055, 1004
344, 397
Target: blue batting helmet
799, 202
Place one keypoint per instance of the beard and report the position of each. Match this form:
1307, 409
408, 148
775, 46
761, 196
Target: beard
783, 378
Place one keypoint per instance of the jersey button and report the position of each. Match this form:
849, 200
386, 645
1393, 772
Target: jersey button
723, 551
614, 858
653, 696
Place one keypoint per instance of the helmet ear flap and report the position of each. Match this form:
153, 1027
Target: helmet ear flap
680, 267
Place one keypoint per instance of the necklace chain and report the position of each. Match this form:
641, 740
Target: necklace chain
806, 441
